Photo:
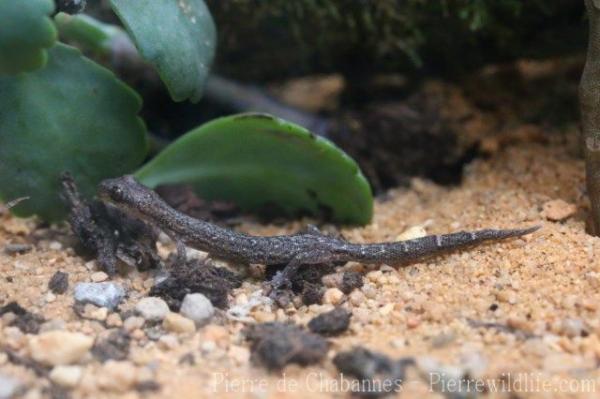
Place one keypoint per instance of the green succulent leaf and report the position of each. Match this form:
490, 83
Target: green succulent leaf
261, 162
26, 31
73, 115
178, 37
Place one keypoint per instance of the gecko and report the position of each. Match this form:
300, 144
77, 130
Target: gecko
303, 248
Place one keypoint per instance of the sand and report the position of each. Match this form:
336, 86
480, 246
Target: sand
542, 291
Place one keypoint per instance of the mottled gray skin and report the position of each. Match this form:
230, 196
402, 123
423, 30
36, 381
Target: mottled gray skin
310, 247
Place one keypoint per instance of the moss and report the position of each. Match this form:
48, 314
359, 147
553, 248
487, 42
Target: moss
271, 39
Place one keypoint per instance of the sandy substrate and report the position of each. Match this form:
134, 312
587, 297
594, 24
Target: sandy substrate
541, 290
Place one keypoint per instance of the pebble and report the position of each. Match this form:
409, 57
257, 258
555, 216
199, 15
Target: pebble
106, 294
9, 386
333, 296
114, 320
198, 308
59, 347
133, 323
558, 210
117, 376
411, 233
572, 327
152, 308
12, 249
356, 298
99, 277
66, 376
177, 323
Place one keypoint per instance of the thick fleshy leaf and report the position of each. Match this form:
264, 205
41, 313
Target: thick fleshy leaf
264, 163
73, 115
177, 36
26, 31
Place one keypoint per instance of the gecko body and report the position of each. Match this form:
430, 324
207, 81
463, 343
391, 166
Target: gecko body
310, 247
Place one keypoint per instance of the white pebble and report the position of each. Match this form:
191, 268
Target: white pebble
152, 308
198, 308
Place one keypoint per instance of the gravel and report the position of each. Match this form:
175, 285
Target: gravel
198, 308
107, 294
152, 308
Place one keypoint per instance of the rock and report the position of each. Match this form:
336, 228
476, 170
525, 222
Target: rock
117, 376
198, 308
177, 323
13, 249
9, 387
59, 347
133, 323
99, 277
558, 210
107, 294
152, 308
333, 296
59, 282
66, 376
412, 233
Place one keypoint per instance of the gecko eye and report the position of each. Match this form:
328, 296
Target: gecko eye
117, 194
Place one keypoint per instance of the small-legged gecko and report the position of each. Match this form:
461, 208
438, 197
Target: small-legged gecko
310, 247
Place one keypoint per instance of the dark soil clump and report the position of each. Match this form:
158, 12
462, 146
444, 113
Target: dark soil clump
334, 322
197, 277
376, 374
115, 346
275, 345
27, 322
110, 234
350, 281
59, 283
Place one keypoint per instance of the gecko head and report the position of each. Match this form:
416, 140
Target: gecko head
125, 192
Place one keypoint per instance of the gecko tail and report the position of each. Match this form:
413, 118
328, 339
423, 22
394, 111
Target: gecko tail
402, 251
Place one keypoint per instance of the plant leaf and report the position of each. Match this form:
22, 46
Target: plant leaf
261, 162
177, 36
26, 31
73, 115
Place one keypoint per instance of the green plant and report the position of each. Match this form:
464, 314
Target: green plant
60, 111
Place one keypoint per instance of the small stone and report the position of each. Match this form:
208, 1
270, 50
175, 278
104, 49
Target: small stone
99, 277
239, 354
413, 322
49, 297
411, 233
9, 387
356, 298
55, 246
59, 283
168, 341
59, 347
106, 294
117, 376
99, 314
66, 376
114, 320
198, 308
13, 249
333, 296
133, 323
558, 210
263, 317
572, 327
177, 323
152, 308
